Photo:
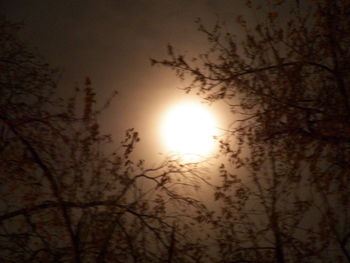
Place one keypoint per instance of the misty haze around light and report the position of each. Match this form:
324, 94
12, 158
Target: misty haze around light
111, 42
175, 131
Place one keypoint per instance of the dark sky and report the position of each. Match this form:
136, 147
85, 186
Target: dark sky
111, 41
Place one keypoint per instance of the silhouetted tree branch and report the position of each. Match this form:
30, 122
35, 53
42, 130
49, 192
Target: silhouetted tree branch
64, 196
286, 80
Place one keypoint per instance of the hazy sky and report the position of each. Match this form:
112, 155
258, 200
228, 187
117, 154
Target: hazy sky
111, 41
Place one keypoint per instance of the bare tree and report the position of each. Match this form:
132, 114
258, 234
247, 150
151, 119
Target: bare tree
64, 197
285, 190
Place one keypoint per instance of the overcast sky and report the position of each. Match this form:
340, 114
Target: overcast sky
111, 41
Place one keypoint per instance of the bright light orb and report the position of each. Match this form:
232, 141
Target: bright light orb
188, 130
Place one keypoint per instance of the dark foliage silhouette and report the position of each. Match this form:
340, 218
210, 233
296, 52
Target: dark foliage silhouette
64, 196
285, 190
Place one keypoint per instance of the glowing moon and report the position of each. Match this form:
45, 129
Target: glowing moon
188, 130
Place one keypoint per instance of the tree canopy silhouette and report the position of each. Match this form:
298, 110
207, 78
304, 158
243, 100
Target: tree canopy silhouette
64, 197
285, 190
